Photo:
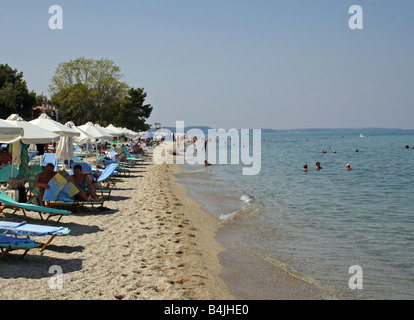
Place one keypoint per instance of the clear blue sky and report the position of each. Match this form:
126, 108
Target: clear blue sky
227, 63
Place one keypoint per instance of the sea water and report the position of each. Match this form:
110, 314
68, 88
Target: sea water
316, 225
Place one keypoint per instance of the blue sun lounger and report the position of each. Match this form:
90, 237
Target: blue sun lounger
119, 169
23, 229
50, 158
8, 243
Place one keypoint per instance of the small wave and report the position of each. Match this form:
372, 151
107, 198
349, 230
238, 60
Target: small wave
246, 198
251, 209
229, 216
327, 292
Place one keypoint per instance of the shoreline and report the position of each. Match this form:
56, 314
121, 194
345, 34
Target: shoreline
154, 242
248, 274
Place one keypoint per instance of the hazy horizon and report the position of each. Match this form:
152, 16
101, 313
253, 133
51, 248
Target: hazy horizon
235, 63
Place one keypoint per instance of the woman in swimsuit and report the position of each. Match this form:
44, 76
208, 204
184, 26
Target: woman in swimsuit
84, 183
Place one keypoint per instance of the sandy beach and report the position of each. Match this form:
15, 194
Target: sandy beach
153, 243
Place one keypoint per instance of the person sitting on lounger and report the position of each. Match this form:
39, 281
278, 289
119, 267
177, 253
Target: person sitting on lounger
84, 183
5, 157
136, 149
121, 157
42, 179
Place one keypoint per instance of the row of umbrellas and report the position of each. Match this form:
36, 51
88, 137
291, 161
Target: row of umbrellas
45, 130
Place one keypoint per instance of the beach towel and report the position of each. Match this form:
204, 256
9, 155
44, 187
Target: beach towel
7, 240
24, 229
60, 189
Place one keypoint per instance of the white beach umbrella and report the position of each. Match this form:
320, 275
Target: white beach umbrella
148, 135
48, 123
109, 133
95, 132
10, 133
65, 148
128, 132
84, 137
114, 130
33, 134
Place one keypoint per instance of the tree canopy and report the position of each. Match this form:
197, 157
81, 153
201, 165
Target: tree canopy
91, 90
14, 94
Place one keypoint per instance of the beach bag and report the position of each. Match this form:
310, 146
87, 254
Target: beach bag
15, 183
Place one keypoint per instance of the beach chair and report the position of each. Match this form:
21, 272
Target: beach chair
8, 244
121, 164
6, 172
119, 168
79, 152
50, 158
32, 154
86, 167
23, 229
131, 157
106, 174
73, 204
7, 202
33, 171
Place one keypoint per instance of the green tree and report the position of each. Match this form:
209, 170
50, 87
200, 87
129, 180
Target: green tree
88, 90
14, 95
133, 112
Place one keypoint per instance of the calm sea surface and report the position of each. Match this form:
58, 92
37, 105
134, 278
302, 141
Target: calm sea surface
315, 225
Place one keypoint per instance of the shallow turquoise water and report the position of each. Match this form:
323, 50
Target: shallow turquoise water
320, 223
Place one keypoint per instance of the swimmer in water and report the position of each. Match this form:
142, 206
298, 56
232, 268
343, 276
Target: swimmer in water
305, 167
318, 166
348, 167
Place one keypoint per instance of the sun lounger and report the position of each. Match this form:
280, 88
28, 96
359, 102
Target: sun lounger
50, 158
106, 174
5, 173
131, 157
86, 167
24, 229
7, 202
76, 203
8, 243
32, 154
122, 164
119, 168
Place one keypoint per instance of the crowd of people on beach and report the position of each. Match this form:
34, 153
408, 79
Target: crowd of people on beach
85, 182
